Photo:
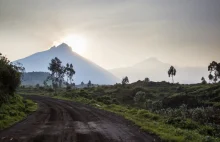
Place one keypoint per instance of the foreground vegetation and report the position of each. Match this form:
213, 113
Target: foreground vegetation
173, 112
13, 108
16, 109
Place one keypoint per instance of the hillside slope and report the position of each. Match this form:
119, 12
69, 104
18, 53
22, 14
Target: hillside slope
85, 69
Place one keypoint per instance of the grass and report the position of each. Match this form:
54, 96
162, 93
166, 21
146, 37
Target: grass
149, 122
120, 100
16, 109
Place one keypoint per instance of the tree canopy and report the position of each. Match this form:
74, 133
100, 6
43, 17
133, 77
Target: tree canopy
214, 71
58, 72
10, 78
172, 72
125, 80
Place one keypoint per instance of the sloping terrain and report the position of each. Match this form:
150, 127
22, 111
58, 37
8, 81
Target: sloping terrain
85, 69
64, 121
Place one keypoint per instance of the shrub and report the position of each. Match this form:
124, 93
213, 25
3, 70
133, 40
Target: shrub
139, 97
179, 122
10, 78
148, 104
105, 99
115, 101
199, 115
50, 90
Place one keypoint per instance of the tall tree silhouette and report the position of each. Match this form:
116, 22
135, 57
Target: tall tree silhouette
172, 72
57, 72
146, 80
69, 73
89, 84
125, 80
203, 80
214, 71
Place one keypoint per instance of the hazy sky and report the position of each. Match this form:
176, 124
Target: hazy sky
118, 32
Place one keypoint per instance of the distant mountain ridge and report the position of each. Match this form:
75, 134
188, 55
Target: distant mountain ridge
85, 69
157, 71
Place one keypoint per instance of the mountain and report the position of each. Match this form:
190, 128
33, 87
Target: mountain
85, 69
157, 71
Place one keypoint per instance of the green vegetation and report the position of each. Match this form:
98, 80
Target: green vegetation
10, 78
15, 110
172, 72
125, 81
173, 112
214, 69
58, 72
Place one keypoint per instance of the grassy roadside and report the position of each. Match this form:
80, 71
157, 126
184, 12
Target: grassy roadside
16, 109
152, 123
170, 129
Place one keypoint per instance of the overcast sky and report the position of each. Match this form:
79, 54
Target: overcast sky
118, 32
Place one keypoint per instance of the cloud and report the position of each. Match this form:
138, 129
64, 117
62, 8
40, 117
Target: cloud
138, 29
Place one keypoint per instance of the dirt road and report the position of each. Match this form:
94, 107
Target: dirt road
65, 121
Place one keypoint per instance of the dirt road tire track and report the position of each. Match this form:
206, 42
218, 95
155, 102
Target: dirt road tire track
65, 121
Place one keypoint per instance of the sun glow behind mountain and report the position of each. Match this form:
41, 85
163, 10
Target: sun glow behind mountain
77, 43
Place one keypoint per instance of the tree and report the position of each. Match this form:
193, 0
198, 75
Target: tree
89, 84
214, 71
10, 78
172, 72
69, 71
147, 80
203, 80
57, 72
125, 80
82, 83
140, 97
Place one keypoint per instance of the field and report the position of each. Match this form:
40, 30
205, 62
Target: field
173, 112
14, 110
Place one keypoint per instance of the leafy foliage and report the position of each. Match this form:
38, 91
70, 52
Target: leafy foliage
203, 80
58, 72
172, 72
89, 84
174, 112
10, 78
214, 69
125, 80
15, 110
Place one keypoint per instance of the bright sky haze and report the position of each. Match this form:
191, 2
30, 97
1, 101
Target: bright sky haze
114, 33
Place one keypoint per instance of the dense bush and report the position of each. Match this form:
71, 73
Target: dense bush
190, 111
104, 99
140, 97
10, 78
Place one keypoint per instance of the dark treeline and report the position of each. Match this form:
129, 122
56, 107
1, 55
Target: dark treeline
10, 78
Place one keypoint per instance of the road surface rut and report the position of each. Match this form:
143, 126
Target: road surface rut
65, 121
